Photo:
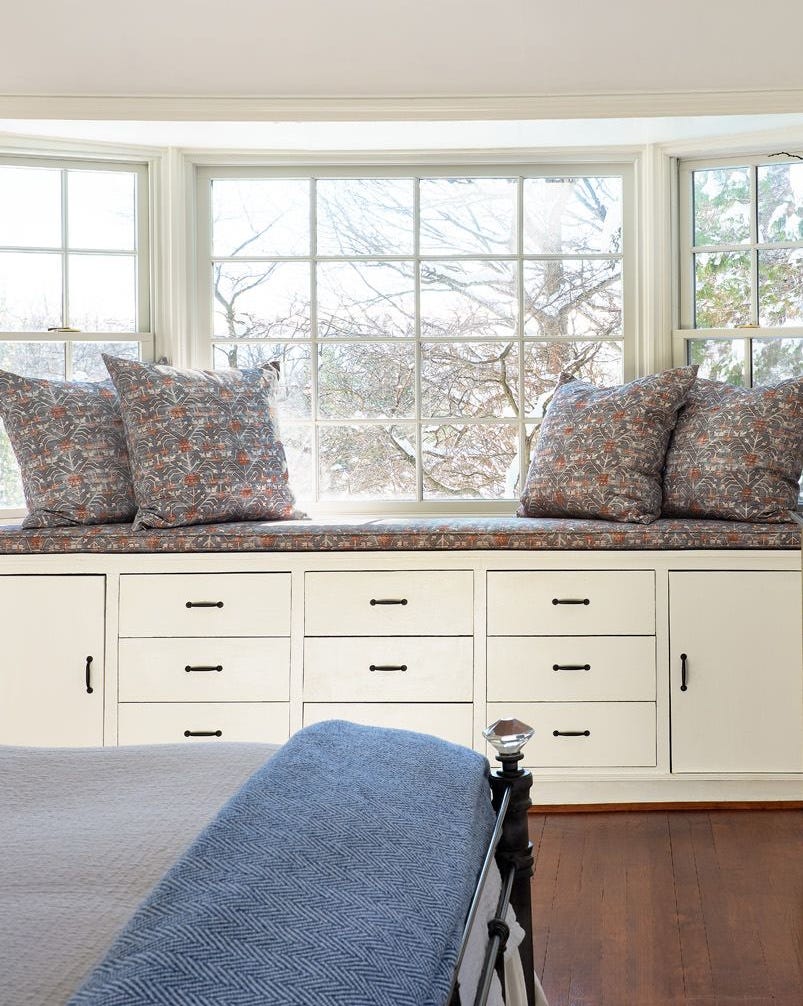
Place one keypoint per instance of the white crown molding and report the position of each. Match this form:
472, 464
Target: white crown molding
216, 108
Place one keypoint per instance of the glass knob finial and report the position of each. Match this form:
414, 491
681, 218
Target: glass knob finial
508, 736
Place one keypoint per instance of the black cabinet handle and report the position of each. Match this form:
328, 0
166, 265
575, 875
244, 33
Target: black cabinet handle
388, 667
570, 600
89, 688
571, 667
204, 604
203, 667
388, 600
203, 733
571, 733
683, 659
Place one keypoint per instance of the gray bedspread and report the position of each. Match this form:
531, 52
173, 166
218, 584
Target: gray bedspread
84, 836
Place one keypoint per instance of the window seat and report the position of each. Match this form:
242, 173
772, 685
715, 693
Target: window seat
406, 534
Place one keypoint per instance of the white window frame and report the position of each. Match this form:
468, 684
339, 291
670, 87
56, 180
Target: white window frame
422, 167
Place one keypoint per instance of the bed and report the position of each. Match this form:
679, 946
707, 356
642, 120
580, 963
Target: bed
93, 839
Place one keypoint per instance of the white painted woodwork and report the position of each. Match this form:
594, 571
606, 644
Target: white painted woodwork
743, 707
250, 670
49, 625
436, 669
620, 603
451, 721
620, 733
166, 722
571, 668
438, 603
254, 604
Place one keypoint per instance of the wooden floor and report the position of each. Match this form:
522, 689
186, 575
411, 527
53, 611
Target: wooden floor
679, 908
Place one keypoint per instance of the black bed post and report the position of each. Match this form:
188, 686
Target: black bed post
515, 849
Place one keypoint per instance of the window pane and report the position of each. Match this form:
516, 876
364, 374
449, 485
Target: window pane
103, 293
30, 291
599, 363
101, 210
365, 216
578, 298
718, 359
87, 364
260, 216
267, 300
477, 379
780, 287
30, 207
722, 206
780, 202
294, 395
570, 215
464, 299
469, 215
470, 462
367, 462
722, 289
367, 299
297, 441
366, 381
776, 359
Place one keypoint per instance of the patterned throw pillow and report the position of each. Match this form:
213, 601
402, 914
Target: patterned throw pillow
600, 451
203, 444
736, 453
70, 445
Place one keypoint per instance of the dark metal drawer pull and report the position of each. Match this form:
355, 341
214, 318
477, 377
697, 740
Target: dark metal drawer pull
388, 667
203, 667
571, 733
570, 600
388, 600
89, 688
571, 667
204, 604
683, 659
203, 733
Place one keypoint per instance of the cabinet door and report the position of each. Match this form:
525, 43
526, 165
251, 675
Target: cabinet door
50, 626
739, 636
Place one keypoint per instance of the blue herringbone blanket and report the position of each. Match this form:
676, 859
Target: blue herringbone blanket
339, 875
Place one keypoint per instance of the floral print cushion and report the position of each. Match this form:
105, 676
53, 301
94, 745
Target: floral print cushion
69, 442
600, 451
203, 445
736, 453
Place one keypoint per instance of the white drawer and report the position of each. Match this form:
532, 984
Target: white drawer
205, 604
571, 668
581, 603
204, 670
619, 733
170, 722
403, 603
389, 669
450, 721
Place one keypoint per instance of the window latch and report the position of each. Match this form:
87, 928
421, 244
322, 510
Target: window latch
63, 328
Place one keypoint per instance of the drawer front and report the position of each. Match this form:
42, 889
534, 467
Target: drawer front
389, 669
620, 734
421, 603
450, 721
581, 603
167, 722
204, 670
571, 668
205, 604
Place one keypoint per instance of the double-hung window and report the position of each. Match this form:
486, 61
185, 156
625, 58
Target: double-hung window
74, 274
420, 317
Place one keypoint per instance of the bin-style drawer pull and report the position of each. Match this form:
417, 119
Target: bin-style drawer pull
388, 600
88, 676
683, 671
388, 667
204, 604
571, 667
203, 733
571, 733
203, 667
570, 600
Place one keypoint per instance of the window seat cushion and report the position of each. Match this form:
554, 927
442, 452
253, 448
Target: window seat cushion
406, 534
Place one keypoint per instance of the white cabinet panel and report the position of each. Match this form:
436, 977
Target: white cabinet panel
198, 722
50, 626
739, 636
450, 721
